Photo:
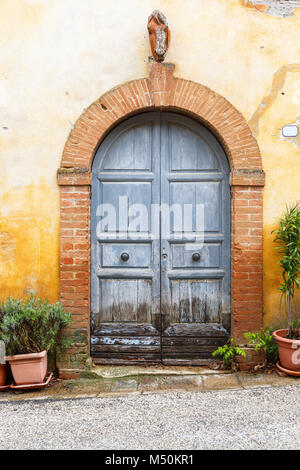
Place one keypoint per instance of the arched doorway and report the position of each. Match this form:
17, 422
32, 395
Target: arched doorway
161, 91
160, 242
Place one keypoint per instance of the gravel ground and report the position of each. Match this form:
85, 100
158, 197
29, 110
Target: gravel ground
260, 418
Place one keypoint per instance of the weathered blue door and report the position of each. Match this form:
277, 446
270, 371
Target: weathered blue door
160, 236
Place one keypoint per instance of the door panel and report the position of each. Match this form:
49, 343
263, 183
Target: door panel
125, 300
185, 142
160, 286
130, 150
197, 193
125, 265
195, 301
139, 255
210, 254
195, 270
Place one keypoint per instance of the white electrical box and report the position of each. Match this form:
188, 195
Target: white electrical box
290, 131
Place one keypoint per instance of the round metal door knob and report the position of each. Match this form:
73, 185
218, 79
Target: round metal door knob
125, 256
196, 256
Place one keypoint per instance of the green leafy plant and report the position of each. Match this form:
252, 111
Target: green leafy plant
287, 237
264, 340
33, 325
228, 353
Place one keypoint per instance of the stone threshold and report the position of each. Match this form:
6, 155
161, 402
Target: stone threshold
106, 371
112, 381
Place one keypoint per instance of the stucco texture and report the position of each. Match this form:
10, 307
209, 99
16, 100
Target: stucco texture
58, 56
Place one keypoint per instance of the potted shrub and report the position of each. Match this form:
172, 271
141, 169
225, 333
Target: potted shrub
3, 367
288, 240
29, 329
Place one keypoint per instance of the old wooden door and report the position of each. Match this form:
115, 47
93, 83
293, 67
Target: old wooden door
160, 237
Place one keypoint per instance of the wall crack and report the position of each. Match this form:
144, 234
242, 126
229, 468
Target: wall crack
279, 78
277, 8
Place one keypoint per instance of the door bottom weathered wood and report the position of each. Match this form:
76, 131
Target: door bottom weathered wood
173, 349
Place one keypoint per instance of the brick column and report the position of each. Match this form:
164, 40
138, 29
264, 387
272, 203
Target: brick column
247, 252
75, 266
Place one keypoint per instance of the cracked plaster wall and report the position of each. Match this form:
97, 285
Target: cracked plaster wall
279, 8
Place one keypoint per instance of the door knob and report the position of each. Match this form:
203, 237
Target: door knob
196, 256
124, 256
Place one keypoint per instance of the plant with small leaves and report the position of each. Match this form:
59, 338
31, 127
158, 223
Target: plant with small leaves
287, 237
228, 353
32, 325
264, 340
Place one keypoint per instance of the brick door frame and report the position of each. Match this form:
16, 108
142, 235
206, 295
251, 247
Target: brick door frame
160, 91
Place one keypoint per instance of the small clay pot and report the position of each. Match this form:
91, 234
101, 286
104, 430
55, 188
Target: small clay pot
28, 368
288, 350
3, 374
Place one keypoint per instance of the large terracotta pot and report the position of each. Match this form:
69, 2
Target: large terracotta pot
28, 368
288, 350
3, 374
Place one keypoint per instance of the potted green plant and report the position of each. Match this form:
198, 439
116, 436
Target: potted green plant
264, 341
3, 367
229, 352
287, 238
29, 329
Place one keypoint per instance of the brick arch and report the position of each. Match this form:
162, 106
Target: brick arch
161, 90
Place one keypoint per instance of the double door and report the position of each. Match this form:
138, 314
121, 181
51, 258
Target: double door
160, 238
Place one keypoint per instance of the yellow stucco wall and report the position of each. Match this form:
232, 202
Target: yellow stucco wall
58, 56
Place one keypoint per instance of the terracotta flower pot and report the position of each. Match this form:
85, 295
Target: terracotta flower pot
3, 374
28, 368
288, 350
